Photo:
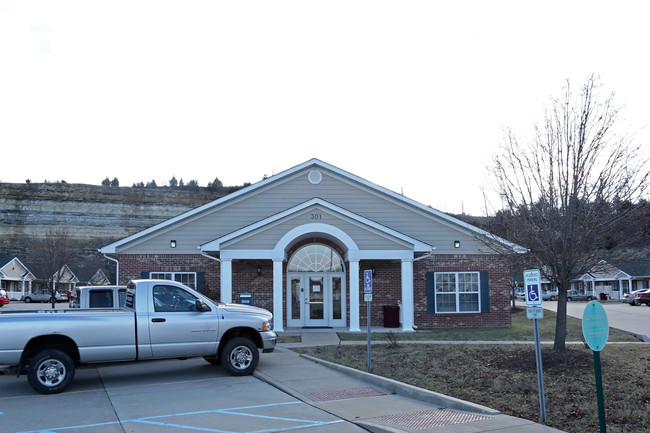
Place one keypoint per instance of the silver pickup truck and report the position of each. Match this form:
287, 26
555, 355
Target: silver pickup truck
160, 319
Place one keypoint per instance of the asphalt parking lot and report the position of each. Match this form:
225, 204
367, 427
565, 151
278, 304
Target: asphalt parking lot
169, 395
153, 396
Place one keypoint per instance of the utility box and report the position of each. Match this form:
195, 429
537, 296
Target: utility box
391, 316
246, 298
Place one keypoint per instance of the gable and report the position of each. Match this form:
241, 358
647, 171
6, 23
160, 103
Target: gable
313, 179
266, 239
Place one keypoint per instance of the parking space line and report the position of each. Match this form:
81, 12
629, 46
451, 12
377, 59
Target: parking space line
302, 423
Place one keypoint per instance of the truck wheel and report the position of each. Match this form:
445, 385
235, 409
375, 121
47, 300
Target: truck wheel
50, 371
240, 356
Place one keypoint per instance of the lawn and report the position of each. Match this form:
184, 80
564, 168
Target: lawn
504, 377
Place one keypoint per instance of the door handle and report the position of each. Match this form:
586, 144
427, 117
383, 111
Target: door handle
158, 320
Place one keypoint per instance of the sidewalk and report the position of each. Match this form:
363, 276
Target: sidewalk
376, 403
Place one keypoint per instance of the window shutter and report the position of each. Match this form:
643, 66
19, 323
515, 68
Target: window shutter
431, 296
144, 275
485, 292
200, 282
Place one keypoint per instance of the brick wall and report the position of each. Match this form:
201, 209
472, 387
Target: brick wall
386, 284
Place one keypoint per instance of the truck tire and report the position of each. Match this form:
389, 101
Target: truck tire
240, 356
50, 371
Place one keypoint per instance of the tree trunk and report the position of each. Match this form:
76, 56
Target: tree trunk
560, 321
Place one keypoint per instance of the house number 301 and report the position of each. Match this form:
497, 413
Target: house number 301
316, 216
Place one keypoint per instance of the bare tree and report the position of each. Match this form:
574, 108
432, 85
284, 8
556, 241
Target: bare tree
50, 254
559, 189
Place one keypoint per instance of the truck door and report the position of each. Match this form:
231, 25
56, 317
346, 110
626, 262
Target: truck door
176, 329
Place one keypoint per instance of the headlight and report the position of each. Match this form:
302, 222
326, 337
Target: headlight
268, 325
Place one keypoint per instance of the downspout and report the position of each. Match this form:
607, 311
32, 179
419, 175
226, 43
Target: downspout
117, 267
204, 254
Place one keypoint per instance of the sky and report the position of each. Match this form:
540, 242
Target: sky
411, 95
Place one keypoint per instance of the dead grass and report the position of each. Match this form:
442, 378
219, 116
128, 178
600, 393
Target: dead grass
504, 377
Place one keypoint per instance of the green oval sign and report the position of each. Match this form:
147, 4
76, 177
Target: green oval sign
595, 327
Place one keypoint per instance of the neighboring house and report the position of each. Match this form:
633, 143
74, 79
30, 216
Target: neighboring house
86, 277
65, 280
615, 280
15, 278
298, 243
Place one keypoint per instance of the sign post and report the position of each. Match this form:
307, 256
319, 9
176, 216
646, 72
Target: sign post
367, 294
533, 285
595, 328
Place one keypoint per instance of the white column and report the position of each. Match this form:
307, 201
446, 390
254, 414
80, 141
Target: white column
407, 295
354, 295
278, 320
226, 280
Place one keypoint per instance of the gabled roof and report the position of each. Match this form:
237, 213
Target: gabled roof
312, 163
5, 261
379, 229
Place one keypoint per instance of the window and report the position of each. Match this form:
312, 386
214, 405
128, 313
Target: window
315, 258
457, 292
171, 298
187, 278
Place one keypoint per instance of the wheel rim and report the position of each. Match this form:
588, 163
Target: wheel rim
51, 372
241, 357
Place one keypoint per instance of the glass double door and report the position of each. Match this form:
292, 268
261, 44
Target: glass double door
316, 300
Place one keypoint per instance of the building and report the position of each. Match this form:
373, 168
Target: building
298, 243
615, 280
15, 278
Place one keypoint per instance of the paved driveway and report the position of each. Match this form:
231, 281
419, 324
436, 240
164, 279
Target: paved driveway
169, 395
620, 315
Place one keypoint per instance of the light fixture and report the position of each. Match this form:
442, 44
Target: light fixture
373, 271
456, 244
259, 270
172, 244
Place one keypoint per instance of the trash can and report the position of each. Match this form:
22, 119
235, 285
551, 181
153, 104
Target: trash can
603, 296
391, 316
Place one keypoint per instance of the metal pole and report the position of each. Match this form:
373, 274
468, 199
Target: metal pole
540, 373
599, 392
368, 320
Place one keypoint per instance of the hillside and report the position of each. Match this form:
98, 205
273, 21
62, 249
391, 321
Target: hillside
93, 215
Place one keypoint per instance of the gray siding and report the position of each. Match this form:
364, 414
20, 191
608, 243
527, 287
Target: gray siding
366, 238
233, 214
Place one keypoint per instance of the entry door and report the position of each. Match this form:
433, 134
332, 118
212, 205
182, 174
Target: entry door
316, 301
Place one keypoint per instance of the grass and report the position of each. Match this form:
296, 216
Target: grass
504, 377
521, 330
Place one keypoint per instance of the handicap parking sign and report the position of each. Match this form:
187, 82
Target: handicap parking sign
533, 286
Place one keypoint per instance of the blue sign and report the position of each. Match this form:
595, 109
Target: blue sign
533, 286
367, 281
595, 326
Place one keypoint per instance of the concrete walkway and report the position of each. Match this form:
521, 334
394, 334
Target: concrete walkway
375, 403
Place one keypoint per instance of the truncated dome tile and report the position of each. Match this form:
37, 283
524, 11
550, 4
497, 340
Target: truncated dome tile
431, 418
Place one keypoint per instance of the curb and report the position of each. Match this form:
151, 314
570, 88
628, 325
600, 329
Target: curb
409, 391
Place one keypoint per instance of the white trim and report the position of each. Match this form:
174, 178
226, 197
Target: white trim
278, 290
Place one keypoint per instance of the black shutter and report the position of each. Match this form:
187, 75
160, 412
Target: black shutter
485, 292
200, 282
144, 275
431, 296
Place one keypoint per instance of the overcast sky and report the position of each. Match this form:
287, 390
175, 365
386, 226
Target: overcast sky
410, 95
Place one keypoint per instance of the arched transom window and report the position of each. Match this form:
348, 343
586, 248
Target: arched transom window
315, 258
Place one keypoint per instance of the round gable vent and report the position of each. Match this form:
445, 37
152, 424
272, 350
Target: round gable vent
315, 177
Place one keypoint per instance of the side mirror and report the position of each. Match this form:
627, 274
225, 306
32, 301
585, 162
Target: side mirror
201, 306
